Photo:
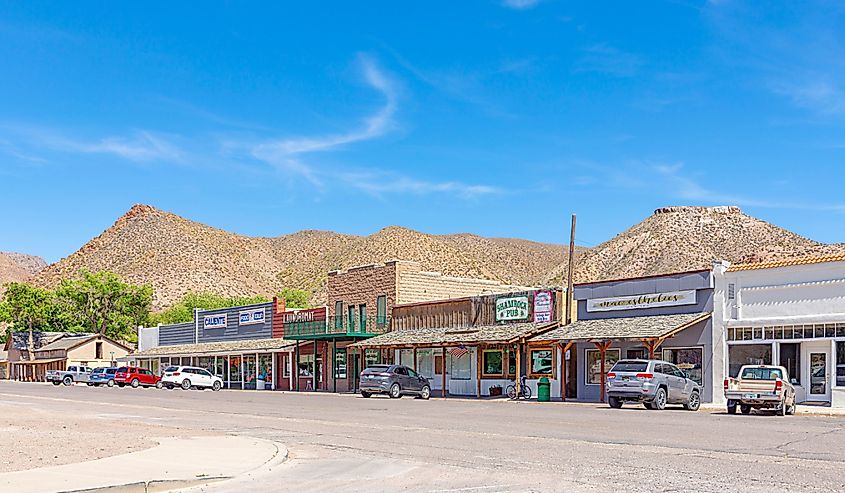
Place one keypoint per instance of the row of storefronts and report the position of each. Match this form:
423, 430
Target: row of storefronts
470, 343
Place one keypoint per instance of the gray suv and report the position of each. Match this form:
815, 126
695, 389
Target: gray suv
395, 381
654, 383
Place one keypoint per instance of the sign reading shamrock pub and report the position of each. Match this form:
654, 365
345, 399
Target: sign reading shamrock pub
512, 308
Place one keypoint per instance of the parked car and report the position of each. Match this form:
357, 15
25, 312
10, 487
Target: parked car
761, 387
188, 377
102, 376
136, 377
395, 381
654, 383
70, 376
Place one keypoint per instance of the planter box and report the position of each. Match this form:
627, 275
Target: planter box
494, 391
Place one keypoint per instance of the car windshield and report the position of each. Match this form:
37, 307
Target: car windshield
761, 374
111, 371
632, 366
98, 370
123, 369
377, 369
171, 369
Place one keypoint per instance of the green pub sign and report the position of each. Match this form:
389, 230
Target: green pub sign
512, 308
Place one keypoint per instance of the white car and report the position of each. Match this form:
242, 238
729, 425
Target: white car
188, 377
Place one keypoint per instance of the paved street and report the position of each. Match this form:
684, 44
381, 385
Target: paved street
347, 443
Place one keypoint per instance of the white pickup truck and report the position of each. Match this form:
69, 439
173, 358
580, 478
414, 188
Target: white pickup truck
70, 376
760, 387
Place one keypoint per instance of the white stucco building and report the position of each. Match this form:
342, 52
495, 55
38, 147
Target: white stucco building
791, 313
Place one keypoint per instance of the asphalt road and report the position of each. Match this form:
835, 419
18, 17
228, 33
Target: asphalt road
347, 443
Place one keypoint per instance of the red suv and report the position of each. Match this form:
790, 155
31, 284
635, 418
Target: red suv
136, 377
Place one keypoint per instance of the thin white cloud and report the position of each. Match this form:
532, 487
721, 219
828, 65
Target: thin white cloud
381, 183
520, 4
287, 153
607, 59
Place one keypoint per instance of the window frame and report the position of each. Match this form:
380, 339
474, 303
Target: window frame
531, 373
484, 373
607, 366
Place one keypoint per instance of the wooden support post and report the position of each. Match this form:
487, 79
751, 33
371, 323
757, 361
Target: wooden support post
478, 371
602, 346
563, 350
415, 360
445, 390
518, 370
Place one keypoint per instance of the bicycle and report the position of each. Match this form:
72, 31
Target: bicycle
525, 389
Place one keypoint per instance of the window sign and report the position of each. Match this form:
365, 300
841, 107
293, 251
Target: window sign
215, 321
543, 306
492, 362
512, 308
639, 301
541, 361
248, 317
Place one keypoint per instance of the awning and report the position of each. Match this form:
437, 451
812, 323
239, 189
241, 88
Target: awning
623, 329
445, 336
212, 348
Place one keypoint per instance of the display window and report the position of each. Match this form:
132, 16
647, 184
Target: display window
492, 363
593, 362
541, 362
687, 359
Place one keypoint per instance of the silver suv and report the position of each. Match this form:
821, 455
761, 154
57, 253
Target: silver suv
655, 383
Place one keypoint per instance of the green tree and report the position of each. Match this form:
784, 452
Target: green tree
104, 304
28, 307
295, 298
183, 311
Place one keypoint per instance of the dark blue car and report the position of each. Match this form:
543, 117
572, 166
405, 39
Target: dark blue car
102, 376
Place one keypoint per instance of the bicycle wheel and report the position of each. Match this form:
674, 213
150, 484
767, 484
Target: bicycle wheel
526, 392
511, 391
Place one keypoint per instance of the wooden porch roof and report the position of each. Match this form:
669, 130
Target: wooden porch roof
628, 328
451, 336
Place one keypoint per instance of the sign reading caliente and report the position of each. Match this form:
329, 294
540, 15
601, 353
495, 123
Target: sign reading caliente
637, 301
512, 308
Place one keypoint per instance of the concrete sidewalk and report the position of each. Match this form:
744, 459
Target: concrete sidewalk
174, 463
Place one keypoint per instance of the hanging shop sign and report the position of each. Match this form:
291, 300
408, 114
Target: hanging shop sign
214, 321
638, 301
512, 308
249, 317
543, 306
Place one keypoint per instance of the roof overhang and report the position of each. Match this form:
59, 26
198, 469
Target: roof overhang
451, 336
653, 327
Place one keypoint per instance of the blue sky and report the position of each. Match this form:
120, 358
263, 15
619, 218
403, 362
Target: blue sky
498, 118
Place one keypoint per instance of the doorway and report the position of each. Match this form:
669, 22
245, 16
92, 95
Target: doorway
818, 371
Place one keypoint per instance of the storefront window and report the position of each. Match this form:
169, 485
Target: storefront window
306, 365
492, 362
154, 367
265, 368
790, 358
220, 367
840, 364
373, 357
541, 362
687, 359
611, 356
235, 369
425, 363
748, 354
340, 363
636, 353
511, 362
284, 360
205, 362
406, 357
461, 368
250, 372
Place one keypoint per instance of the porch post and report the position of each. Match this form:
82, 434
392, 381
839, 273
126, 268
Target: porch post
314, 369
445, 390
334, 365
295, 372
518, 370
478, 371
603, 345
415, 359
273, 357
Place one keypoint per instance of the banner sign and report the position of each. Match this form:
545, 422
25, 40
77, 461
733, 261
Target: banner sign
638, 301
214, 321
543, 306
512, 308
254, 316
311, 315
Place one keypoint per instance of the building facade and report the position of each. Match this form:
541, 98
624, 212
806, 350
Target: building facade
790, 313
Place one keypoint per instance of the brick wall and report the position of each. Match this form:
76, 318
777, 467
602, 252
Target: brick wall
363, 285
416, 285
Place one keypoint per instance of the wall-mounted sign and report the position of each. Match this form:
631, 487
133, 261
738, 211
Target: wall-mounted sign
214, 321
638, 301
512, 308
248, 317
543, 306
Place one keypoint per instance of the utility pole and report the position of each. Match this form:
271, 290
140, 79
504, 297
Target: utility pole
570, 273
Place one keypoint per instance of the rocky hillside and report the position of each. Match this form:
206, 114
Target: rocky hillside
677, 239
176, 255
17, 267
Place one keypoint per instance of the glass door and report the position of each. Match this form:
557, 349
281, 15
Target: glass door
819, 377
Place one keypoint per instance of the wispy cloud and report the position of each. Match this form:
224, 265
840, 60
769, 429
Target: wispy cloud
607, 59
379, 183
520, 4
287, 154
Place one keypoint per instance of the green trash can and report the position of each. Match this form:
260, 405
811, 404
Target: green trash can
544, 390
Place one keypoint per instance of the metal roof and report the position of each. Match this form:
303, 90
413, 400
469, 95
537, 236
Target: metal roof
216, 347
819, 259
450, 336
627, 328
66, 342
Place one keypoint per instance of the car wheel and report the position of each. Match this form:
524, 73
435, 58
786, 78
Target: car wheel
56, 383
186, 384
648, 406
159, 384
110, 383
614, 402
731, 407
216, 386
781, 410
425, 393
694, 402
745, 409
365, 395
135, 383
791, 409
89, 384
659, 401
67, 381
395, 391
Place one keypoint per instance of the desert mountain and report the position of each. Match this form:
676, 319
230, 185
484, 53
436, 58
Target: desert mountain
677, 239
175, 255
17, 267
